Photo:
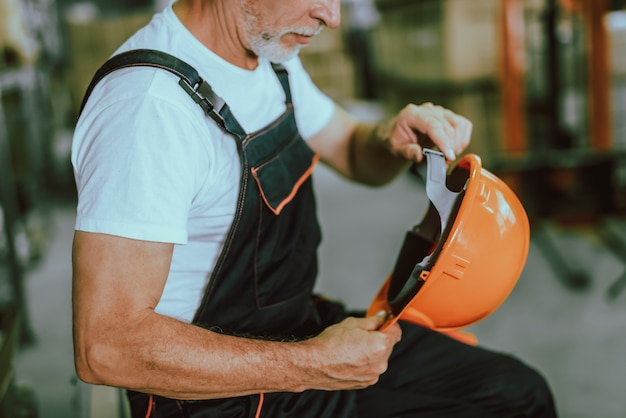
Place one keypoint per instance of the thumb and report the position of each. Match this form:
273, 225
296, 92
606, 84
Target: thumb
375, 321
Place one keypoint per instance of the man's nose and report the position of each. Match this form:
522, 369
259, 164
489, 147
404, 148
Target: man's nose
328, 12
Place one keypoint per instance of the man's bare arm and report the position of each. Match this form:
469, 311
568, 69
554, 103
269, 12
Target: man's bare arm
121, 341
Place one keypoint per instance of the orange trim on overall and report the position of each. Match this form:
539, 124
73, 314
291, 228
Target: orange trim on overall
294, 190
258, 409
150, 404
257, 415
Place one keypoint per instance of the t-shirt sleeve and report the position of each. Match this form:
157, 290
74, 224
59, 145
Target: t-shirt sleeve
136, 168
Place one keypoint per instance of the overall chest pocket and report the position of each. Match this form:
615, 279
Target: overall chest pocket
288, 233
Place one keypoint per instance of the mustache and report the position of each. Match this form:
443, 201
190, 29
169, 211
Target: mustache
313, 32
304, 31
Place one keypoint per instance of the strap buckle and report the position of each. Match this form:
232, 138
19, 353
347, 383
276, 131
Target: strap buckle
203, 95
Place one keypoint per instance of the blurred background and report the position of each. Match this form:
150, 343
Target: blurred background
543, 81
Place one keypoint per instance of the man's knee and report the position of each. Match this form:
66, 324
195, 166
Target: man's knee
526, 392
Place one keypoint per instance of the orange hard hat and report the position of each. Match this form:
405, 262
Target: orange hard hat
465, 257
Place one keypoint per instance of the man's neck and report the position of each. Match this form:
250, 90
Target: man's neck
216, 26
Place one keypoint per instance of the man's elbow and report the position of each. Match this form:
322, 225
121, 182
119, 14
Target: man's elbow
92, 366
85, 373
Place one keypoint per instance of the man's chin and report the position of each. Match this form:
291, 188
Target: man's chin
279, 56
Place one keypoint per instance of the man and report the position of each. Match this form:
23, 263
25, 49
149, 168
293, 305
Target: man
194, 253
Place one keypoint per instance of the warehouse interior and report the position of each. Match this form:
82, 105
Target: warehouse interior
543, 82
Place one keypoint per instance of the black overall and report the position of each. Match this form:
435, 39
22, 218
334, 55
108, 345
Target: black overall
262, 284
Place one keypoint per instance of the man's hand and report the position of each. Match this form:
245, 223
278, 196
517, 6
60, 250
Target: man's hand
376, 154
352, 354
425, 126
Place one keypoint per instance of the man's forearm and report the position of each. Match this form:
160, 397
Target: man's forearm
371, 162
166, 357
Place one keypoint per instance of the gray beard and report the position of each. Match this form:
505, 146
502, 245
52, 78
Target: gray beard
272, 50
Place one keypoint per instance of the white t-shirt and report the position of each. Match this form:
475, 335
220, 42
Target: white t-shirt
150, 165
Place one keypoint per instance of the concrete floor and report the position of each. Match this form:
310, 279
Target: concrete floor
576, 338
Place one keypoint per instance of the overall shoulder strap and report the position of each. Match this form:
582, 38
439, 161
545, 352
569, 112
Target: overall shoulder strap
199, 90
283, 77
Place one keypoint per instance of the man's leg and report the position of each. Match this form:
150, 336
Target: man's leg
432, 375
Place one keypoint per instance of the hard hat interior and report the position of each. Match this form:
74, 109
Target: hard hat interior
464, 258
422, 246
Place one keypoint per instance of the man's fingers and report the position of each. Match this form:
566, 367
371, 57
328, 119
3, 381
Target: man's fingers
435, 122
462, 130
375, 321
442, 127
412, 152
